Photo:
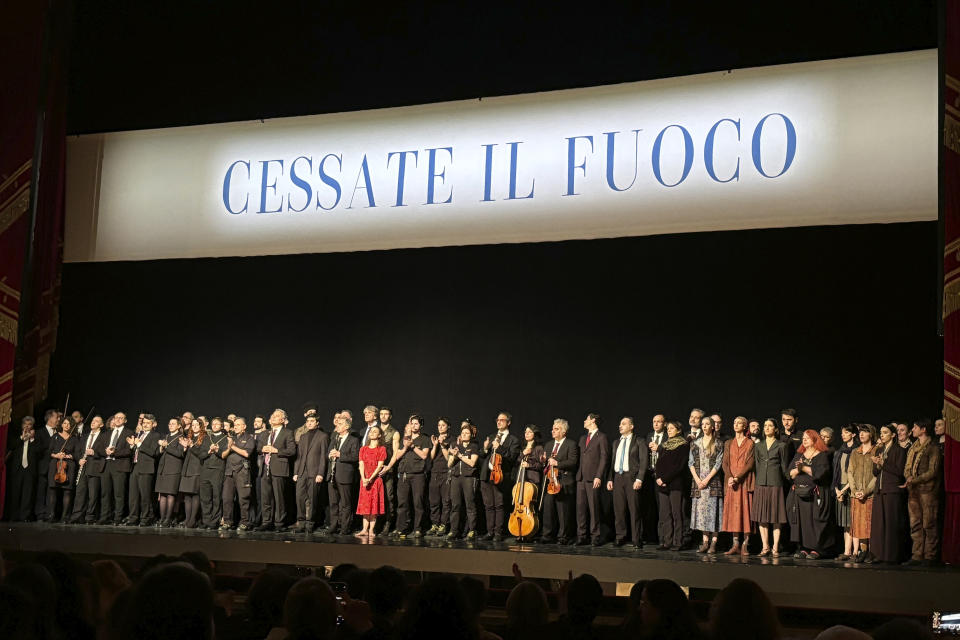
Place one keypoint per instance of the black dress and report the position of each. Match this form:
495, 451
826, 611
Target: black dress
886, 527
811, 519
190, 474
71, 446
170, 465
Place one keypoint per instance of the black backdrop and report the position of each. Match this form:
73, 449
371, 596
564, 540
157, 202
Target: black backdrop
838, 322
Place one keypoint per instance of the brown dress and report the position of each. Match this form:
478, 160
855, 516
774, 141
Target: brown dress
738, 462
860, 478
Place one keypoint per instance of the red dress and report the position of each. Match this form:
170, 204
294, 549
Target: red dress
371, 497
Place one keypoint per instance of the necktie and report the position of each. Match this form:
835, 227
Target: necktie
623, 449
23, 460
556, 447
589, 435
270, 439
136, 451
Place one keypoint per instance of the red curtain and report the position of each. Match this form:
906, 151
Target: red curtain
951, 281
32, 100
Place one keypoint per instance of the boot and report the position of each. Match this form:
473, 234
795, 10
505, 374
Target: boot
734, 550
713, 547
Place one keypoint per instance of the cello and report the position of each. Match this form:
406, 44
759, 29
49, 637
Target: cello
523, 522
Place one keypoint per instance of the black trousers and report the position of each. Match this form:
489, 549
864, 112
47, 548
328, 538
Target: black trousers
463, 498
558, 515
588, 510
80, 489
113, 493
440, 498
237, 487
141, 497
649, 510
671, 517
40, 508
496, 500
343, 505
274, 489
308, 494
390, 499
626, 508
410, 493
256, 498
211, 491
21, 488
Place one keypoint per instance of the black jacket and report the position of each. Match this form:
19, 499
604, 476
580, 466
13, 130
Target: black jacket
147, 454
280, 462
637, 457
345, 468
509, 450
312, 454
568, 461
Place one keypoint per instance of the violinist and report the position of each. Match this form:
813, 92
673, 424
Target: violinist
65, 450
557, 512
532, 456
628, 467
463, 460
503, 447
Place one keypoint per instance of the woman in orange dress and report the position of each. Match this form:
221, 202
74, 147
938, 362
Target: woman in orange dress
862, 484
370, 503
738, 464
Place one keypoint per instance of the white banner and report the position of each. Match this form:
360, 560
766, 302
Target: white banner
832, 142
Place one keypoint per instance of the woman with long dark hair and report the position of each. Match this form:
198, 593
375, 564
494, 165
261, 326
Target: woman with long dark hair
861, 483
841, 492
531, 456
65, 450
190, 473
671, 467
886, 526
173, 446
809, 504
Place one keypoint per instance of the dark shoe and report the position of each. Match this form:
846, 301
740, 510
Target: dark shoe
486, 536
118, 523
546, 541
663, 547
417, 534
298, 528
149, 522
432, 531
596, 542
582, 542
103, 521
913, 562
676, 548
870, 559
619, 542
800, 554
497, 537
451, 536
130, 522
334, 531
282, 527
843, 557
386, 530
225, 527
813, 555
265, 527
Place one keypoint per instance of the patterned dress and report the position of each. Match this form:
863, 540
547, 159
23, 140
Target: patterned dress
370, 502
707, 505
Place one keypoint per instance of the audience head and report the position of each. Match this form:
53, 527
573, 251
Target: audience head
439, 609
666, 612
311, 610
20, 614
584, 597
527, 606
386, 591
902, 629
172, 601
265, 598
742, 611
476, 593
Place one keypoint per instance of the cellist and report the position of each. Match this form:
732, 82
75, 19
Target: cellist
557, 512
532, 458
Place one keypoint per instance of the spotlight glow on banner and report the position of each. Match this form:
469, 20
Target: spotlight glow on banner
833, 142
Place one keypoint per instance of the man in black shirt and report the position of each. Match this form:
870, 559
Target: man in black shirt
411, 465
791, 435
211, 474
440, 479
308, 472
463, 459
239, 456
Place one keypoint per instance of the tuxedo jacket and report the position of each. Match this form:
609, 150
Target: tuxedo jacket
594, 457
35, 452
509, 451
568, 461
280, 463
93, 467
312, 453
123, 452
637, 457
147, 455
346, 468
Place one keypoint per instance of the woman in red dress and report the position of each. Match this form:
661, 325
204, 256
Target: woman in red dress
370, 505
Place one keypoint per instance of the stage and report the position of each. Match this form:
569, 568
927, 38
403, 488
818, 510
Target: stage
823, 584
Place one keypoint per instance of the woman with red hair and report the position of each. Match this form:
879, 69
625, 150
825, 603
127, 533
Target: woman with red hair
809, 503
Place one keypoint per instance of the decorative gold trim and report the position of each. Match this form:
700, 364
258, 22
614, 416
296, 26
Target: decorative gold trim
951, 131
951, 297
951, 82
951, 370
951, 246
8, 290
8, 329
7, 377
5, 412
951, 418
19, 203
26, 165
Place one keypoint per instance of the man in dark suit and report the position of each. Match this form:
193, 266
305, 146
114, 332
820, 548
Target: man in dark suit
239, 456
86, 505
308, 472
116, 471
145, 452
628, 468
43, 437
22, 468
278, 448
594, 458
562, 453
344, 457
496, 497
648, 493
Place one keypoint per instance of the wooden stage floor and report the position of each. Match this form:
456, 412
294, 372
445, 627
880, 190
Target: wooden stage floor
823, 584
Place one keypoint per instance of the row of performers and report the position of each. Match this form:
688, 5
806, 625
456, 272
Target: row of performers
203, 471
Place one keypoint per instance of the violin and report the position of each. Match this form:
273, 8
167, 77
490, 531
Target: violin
496, 473
523, 521
551, 478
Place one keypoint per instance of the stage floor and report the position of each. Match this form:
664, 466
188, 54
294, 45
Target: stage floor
823, 584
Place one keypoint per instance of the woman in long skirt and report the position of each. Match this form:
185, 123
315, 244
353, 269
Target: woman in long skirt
809, 507
886, 526
705, 461
772, 466
738, 465
862, 483
841, 492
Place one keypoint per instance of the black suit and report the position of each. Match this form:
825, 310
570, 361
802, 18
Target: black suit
649, 507
558, 508
276, 475
342, 482
626, 500
594, 458
144, 459
22, 482
86, 504
311, 462
496, 497
116, 472
40, 508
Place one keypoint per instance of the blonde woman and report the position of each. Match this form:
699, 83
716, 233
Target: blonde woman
706, 461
